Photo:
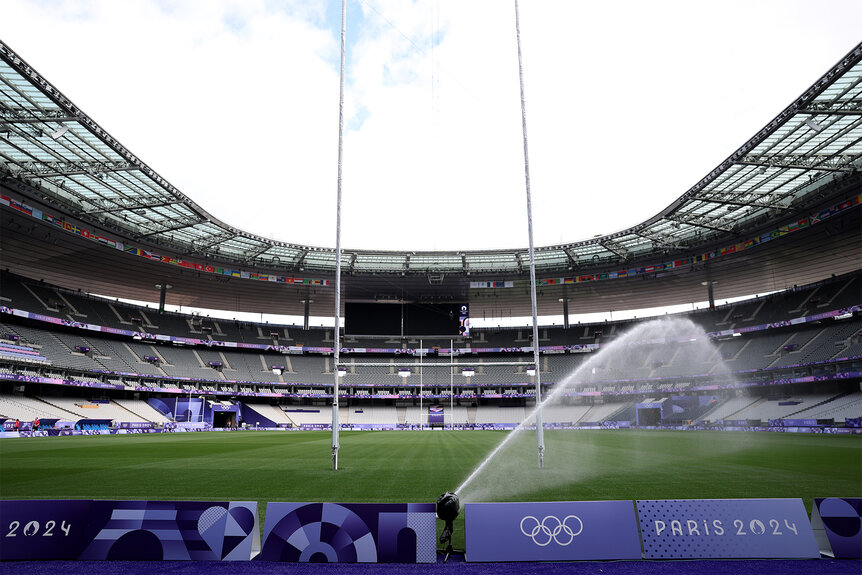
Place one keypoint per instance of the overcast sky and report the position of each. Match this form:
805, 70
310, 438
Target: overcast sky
629, 104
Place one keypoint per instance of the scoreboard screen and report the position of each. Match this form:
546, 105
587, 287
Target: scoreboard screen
407, 319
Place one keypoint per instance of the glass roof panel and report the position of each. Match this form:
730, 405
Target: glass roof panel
96, 177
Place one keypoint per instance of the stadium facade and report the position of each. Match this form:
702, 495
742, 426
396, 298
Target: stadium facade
81, 215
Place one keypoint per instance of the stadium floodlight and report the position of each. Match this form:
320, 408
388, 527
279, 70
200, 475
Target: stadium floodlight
813, 125
61, 131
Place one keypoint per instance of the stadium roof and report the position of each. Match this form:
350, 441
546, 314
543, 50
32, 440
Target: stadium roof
50, 144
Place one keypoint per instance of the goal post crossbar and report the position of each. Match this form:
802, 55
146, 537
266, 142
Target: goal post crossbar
436, 364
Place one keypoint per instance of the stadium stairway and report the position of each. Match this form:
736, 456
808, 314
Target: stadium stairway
471, 415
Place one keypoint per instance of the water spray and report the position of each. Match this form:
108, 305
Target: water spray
626, 352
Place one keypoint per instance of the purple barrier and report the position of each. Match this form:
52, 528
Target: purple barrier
557, 531
350, 533
793, 422
129, 530
316, 426
726, 528
837, 525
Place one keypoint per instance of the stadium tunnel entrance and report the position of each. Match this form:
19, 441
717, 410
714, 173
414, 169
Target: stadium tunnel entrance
224, 419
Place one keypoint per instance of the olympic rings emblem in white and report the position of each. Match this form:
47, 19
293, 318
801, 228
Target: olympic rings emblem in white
551, 529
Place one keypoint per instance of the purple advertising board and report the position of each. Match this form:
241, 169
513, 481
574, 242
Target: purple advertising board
129, 530
136, 425
350, 533
42, 529
726, 528
551, 531
837, 524
317, 426
436, 414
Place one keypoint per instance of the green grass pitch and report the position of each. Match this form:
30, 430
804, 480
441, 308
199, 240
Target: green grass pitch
415, 466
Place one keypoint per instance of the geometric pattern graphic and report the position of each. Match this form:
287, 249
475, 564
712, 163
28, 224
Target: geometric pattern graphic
349, 533
139, 531
726, 528
172, 530
131, 530
226, 530
841, 520
426, 547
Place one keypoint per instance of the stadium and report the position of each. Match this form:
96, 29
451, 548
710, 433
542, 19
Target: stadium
747, 397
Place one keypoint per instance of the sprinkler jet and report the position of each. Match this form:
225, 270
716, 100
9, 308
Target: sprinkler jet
448, 508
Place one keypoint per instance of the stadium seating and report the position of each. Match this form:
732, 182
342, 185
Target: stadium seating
141, 410
766, 408
271, 412
838, 408
761, 355
30, 408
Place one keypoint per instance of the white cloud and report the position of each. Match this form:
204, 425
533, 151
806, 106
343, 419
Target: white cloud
628, 105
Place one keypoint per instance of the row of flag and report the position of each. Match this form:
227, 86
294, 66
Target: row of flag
71, 228
741, 246
801, 224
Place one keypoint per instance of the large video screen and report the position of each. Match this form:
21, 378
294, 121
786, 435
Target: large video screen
406, 319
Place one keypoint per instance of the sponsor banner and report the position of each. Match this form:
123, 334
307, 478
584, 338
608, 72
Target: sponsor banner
350, 533
726, 528
129, 530
552, 531
837, 524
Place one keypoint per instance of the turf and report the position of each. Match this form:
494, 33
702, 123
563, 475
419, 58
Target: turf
418, 466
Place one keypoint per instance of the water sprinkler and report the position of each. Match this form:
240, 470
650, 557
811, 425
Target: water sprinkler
448, 508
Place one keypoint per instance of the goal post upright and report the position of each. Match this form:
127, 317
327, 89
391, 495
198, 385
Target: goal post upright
337, 315
540, 431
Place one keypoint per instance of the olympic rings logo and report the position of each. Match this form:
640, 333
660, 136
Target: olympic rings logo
552, 529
